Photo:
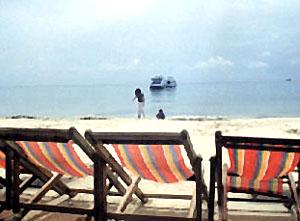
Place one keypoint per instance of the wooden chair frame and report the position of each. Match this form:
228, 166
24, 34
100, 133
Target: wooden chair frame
15, 157
219, 172
98, 139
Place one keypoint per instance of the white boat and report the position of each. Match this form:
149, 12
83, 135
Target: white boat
158, 82
170, 82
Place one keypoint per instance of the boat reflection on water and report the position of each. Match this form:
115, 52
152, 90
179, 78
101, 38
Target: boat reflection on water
168, 95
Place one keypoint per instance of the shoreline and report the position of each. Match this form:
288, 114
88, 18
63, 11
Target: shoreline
176, 118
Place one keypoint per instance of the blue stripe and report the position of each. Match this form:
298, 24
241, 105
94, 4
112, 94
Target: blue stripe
236, 160
257, 164
129, 157
70, 155
54, 159
282, 164
255, 168
175, 160
151, 154
270, 186
33, 154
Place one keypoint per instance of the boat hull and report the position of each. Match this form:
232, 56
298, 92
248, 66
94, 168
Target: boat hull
156, 87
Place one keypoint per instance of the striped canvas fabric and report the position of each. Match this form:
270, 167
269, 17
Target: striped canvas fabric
274, 186
260, 170
59, 157
2, 160
160, 163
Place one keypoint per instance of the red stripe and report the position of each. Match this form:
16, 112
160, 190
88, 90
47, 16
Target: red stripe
136, 156
34, 147
2, 160
180, 159
162, 164
62, 161
295, 162
250, 160
280, 186
264, 186
275, 161
245, 183
75, 156
231, 182
232, 168
116, 147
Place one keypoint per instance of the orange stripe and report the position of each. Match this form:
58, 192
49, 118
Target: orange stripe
27, 150
2, 160
87, 170
63, 163
162, 165
43, 161
138, 160
126, 161
187, 171
149, 163
171, 163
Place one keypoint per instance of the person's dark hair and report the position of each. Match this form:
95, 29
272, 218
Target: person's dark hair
137, 91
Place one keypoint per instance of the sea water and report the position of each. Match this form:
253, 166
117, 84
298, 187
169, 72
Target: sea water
205, 99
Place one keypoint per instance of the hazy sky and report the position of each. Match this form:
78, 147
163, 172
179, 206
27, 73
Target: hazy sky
95, 41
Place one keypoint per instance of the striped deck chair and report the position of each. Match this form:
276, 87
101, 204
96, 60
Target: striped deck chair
2, 165
160, 157
258, 166
40, 151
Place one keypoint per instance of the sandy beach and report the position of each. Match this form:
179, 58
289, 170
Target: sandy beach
201, 133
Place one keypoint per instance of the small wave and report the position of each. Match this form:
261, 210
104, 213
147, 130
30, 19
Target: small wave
198, 118
93, 118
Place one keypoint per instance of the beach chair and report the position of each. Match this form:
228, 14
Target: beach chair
39, 151
157, 157
260, 167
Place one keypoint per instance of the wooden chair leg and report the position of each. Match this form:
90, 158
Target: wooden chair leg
2, 182
212, 186
27, 182
116, 167
294, 194
128, 195
115, 182
204, 187
192, 208
223, 215
46, 188
39, 195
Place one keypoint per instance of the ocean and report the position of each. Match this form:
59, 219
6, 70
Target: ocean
198, 100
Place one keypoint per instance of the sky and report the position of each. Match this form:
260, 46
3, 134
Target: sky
121, 41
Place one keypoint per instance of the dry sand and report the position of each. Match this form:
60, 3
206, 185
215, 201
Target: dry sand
202, 137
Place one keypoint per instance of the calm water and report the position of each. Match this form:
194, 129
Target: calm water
231, 99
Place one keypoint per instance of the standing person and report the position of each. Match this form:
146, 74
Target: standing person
141, 102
